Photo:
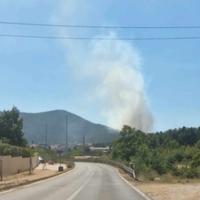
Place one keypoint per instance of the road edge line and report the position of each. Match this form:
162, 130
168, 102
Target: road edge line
133, 187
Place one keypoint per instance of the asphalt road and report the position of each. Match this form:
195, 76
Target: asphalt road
88, 181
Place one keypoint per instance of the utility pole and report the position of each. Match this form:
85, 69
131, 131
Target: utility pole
84, 143
67, 137
84, 140
46, 135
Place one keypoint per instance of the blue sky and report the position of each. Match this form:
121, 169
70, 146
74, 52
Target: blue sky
36, 76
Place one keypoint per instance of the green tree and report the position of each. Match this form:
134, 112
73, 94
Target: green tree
173, 151
11, 128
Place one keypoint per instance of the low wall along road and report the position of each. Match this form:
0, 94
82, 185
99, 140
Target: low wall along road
12, 165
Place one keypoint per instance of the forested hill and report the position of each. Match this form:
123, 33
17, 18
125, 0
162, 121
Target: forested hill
181, 136
55, 122
174, 151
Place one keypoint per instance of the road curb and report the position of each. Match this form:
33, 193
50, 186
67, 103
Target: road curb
36, 181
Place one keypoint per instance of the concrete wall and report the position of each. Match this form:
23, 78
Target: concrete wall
13, 165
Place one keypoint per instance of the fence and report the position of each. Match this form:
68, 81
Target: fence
13, 165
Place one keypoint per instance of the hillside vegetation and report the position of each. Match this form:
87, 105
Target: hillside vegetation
175, 152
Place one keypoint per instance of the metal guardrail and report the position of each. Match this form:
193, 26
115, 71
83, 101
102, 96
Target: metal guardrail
125, 168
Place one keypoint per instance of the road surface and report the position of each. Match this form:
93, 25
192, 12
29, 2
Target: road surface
88, 181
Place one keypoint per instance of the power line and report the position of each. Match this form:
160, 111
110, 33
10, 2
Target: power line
98, 26
96, 38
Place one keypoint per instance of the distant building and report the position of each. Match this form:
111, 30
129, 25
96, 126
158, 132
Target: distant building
44, 146
103, 149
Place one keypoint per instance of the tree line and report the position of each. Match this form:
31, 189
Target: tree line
175, 152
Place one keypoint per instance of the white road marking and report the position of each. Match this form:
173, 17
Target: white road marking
74, 194
133, 187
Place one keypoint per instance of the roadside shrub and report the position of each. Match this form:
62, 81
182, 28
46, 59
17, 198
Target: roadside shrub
140, 166
9, 150
187, 172
70, 164
158, 166
25, 152
196, 160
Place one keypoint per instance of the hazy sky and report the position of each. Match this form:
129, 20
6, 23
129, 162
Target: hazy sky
36, 75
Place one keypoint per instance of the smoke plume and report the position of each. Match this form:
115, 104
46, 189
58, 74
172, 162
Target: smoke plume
114, 68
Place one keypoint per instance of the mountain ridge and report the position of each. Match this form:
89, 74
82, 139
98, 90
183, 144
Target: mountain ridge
54, 123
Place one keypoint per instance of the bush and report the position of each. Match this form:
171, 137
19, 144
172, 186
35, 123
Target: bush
187, 172
158, 166
139, 165
70, 164
9, 150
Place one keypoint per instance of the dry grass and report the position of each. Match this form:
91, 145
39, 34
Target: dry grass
173, 191
177, 189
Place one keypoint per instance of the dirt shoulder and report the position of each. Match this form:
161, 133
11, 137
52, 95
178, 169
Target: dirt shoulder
40, 173
167, 191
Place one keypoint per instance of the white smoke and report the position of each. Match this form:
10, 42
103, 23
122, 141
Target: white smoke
114, 68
